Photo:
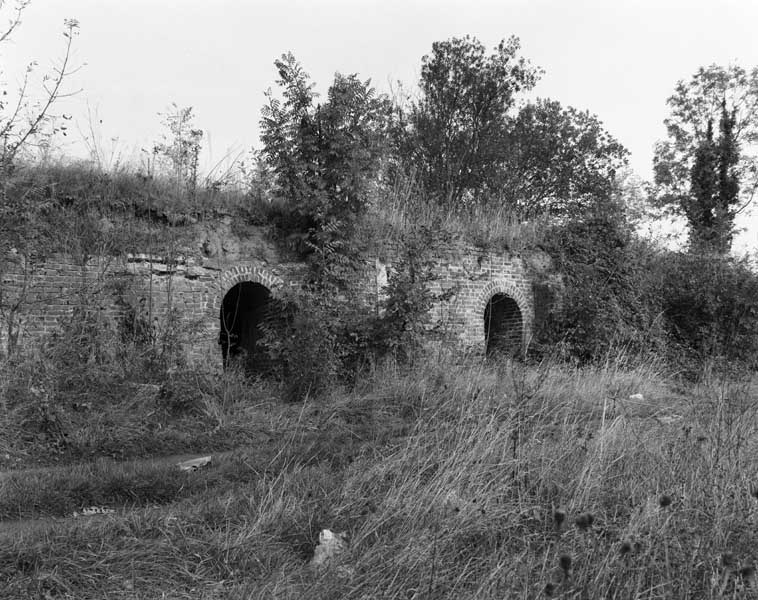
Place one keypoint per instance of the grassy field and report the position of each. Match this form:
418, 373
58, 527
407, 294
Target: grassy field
450, 482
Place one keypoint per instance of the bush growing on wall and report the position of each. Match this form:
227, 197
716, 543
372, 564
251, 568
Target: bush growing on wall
404, 325
323, 157
609, 305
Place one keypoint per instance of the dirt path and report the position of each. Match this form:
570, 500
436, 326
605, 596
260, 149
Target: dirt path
153, 460
18, 527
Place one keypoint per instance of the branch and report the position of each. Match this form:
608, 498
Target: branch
52, 95
749, 200
16, 20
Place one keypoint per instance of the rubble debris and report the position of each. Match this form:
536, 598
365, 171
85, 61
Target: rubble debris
194, 464
94, 510
330, 545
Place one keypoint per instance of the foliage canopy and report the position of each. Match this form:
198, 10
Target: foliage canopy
710, 180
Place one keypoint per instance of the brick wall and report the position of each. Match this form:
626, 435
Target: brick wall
190, 291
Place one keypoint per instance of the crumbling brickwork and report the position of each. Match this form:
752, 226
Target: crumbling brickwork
187, 293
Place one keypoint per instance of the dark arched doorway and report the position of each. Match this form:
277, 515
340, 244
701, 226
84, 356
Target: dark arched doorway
503, 326
243, 310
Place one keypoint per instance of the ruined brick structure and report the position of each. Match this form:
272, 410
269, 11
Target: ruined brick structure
490, 301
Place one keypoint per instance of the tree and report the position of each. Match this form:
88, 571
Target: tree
21, 120
455, 134
558, 160
324, 157
714, 189
710, 180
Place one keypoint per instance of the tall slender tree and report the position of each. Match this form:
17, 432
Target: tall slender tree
728, 176
710, 176
714, 188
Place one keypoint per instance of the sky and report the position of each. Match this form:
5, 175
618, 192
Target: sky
619, 59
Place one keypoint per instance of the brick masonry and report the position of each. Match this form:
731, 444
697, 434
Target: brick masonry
186, 293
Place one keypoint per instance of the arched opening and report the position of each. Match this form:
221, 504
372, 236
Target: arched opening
243, 310
503, 326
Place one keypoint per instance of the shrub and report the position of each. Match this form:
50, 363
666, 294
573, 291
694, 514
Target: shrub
709, 307
405, 324
300, 339
623, 295
609, 305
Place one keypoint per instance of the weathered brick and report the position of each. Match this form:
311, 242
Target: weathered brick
54, 288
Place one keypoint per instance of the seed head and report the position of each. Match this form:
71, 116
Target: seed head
727, 560
747, 572
584, 521
664, 501
625, 548
559, 517
565, 563
549, 589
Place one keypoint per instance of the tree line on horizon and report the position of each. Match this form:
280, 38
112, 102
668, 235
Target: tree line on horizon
467, 139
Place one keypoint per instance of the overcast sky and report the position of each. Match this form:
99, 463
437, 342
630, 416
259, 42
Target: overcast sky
617, 59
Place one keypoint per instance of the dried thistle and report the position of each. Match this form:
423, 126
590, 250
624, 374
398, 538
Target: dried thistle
564, 561
584, 521
559, 516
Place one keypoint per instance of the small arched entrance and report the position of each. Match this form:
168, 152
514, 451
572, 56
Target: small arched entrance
243, 310
503, 326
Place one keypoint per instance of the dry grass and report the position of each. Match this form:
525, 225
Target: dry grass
508, 482
127, 189
491, 227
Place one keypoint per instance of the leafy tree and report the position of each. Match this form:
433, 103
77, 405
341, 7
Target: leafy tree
559, 160
455, 135
714, 189
323, 160
707, 180
324, 157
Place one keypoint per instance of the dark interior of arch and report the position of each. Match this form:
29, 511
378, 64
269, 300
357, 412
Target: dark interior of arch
244, 308
503, 326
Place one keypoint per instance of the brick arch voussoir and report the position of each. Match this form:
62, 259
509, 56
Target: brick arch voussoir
240, 274
508, 289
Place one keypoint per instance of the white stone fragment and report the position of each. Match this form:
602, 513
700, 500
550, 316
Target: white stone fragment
194, 464
330, 545
94, 510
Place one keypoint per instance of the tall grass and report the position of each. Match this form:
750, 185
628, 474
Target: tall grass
127, 188
508, 481
488, 226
